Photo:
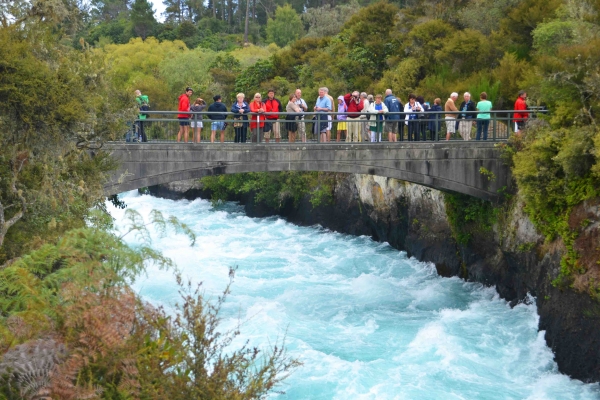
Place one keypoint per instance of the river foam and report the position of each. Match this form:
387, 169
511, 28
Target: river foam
366, 321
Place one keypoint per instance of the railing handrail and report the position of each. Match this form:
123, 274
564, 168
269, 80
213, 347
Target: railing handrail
285, 113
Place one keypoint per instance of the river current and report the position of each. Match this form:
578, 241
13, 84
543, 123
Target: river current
366, 321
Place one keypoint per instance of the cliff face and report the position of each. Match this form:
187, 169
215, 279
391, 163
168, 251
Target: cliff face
512, 256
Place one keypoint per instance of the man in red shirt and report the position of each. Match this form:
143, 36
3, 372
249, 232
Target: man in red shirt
184, 119
355, 105
272, 105
521, 117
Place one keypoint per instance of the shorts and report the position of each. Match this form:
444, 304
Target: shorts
217, 125
197, 124
377, 128
342, 126
450, 125
519, 125
271, 126
183, 121
391, 126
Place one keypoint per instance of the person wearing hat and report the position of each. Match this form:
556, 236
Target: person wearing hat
184, 118
218, 123
521, 117
342, 125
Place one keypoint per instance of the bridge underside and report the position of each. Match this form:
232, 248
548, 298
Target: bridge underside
453, 166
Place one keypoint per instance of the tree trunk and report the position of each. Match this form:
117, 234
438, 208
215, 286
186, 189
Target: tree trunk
246, 23
230, 9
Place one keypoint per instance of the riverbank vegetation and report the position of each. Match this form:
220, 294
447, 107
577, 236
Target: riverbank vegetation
274, 189
70, 325
67, 75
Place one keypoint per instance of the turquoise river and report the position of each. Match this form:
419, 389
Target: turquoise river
366, 321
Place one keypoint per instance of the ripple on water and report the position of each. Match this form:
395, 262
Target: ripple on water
366, 321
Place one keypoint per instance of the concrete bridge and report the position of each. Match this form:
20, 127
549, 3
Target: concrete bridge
454, 166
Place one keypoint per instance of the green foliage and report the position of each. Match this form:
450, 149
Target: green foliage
249, 80
510, 72
328, 20
142, 18
522, 19
404, 78
285, 27
48, 178
485, 16
469, 216
68, 307
274, 188
554, 174
465, 51
427, 38
371, 37
176, 70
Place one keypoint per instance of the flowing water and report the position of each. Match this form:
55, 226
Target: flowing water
366, 321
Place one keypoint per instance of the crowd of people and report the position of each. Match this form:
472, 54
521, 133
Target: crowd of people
360, 117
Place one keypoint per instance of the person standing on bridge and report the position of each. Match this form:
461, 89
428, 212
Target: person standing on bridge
342, 125
391, 120
355, 106
198, 106
143, 105
293, 111
272, 105
323, 105
183, 116
257, 107
451, 118
520, 117
302, 104
412, 110
219, 109
240, 110
483, 118
467, 120
376, 125
365, 135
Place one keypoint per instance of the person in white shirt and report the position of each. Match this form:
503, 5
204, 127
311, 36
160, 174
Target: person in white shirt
299, 101
412, 108
376, 122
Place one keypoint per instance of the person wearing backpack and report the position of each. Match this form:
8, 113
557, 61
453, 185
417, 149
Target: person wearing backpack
143, 104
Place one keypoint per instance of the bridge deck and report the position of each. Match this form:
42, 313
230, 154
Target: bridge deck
451, 166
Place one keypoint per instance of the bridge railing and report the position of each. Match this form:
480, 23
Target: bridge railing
164, 126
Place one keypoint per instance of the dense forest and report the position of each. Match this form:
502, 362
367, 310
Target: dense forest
68, 70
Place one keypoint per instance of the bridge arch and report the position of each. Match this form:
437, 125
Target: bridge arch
449, 166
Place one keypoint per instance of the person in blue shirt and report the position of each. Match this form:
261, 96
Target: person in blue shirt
392, 120
323, 105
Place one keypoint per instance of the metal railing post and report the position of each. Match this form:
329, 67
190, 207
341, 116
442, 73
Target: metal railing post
318, 130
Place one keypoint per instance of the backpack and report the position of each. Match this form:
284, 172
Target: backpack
144, 103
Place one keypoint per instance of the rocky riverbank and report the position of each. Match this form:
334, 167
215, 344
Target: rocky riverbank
511, 256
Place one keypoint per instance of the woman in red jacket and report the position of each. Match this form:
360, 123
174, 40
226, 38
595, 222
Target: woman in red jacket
257, 108
184, 119
520, 117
